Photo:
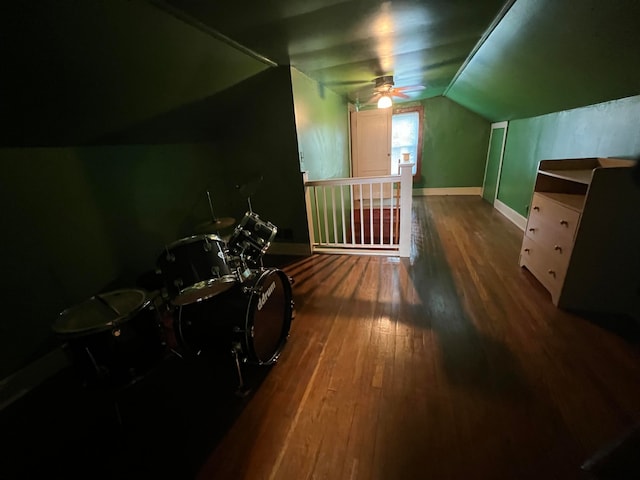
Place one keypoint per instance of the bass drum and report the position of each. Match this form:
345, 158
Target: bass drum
254, 318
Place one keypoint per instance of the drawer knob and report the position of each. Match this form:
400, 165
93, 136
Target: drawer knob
532, 229
558, 248
564, 222
536, 208
552, 273
527, 250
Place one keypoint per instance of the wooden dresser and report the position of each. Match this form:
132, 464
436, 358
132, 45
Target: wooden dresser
582, 239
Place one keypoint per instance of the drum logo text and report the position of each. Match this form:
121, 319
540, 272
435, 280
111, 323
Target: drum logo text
265, 296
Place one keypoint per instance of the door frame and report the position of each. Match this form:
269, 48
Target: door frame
494, 126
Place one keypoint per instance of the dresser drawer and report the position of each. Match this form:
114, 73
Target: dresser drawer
559, 217
547, 269
557, 244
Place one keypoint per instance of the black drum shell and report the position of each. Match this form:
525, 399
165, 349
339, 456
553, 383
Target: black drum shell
195, 268
247, 314
119, 354
252, 237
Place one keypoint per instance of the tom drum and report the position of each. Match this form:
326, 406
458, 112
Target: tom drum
252, 237
112, 338
195, 268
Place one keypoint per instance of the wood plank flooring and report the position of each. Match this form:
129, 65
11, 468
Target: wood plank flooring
452, 364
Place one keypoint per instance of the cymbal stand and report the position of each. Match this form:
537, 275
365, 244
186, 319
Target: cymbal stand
213, 215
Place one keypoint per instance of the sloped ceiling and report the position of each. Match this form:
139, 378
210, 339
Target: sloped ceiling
75, 71
502, 59
549, 55
345, 44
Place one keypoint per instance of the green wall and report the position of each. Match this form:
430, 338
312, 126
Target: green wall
322, 126
454, 145
322, 122
609, 129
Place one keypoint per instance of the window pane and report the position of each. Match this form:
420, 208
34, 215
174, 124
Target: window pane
404, 139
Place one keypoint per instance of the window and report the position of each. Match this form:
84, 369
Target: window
406, 137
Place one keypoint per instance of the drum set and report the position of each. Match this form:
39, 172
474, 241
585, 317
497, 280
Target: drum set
216, 295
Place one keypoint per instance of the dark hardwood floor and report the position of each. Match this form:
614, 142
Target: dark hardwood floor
451, 364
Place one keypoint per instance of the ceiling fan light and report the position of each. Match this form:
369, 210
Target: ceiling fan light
384, 101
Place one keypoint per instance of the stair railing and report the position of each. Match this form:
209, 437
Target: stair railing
365, 215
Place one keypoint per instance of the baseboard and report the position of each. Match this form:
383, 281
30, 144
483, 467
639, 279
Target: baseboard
28, 378
511, 214
423, 192
284, 248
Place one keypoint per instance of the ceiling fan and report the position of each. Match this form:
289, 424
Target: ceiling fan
384, 91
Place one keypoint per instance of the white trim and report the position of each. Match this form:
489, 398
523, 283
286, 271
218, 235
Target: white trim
406, 192
504, 144
486, 162
284, 248
424, 192
350, 109
511, 214
358, 251
494, 126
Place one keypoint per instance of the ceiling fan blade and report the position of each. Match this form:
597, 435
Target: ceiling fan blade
411, 88
399, 94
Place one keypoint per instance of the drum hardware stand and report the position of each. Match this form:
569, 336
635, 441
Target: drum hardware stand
241, 391
170, 256
176, 353
182, 340
116, 407
163, 296
101, 375
213, 216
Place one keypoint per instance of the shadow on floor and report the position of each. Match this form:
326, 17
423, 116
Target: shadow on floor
162, 426
624, 326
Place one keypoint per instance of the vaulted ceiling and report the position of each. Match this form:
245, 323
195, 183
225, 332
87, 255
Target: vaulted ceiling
502, 59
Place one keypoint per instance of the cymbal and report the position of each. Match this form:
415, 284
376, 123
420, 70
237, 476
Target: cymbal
215, 225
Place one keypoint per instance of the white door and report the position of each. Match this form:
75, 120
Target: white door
371, 142
371, 149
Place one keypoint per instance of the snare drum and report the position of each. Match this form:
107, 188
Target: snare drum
112, 338
195, 268
254, 318
252, 237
